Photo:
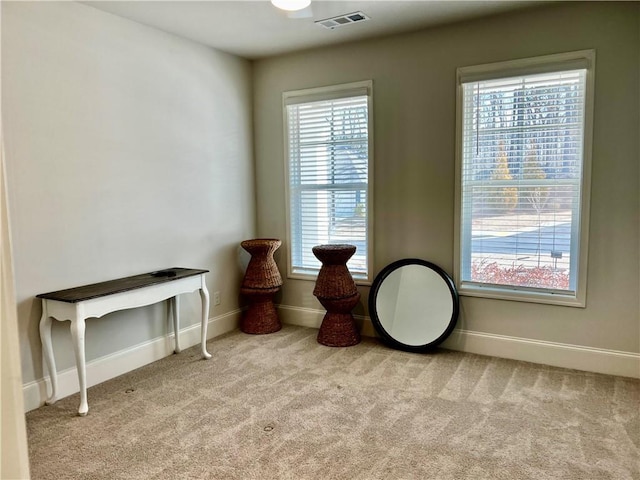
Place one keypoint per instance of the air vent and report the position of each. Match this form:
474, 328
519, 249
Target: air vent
342, 20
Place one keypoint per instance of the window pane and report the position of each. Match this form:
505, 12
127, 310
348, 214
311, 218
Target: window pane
521, 174
328, 179
325, 216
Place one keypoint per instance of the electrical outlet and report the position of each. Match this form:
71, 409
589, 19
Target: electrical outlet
216, 298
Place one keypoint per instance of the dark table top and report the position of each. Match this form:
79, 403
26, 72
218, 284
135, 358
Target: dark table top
102, 289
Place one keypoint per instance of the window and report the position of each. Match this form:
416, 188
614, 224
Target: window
328, 150
522, 178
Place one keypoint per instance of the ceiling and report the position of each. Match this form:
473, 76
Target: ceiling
256, 29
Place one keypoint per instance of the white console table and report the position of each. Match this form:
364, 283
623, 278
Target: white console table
78, 304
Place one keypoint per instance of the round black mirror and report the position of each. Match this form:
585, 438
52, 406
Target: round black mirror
413, 305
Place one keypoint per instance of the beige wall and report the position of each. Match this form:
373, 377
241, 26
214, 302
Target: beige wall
414, 118
128, 150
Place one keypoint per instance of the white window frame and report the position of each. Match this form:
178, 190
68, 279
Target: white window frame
318, 94
543, 64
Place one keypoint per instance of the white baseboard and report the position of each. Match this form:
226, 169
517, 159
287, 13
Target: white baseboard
598, 360
611, 362
590, 359
311, 317
115, 364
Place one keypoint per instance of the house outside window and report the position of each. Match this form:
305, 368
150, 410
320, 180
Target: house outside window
522, 178
328, 148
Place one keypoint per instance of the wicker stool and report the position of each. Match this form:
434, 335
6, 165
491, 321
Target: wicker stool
261, 282
337, 292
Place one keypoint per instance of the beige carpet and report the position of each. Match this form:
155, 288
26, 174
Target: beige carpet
281, 406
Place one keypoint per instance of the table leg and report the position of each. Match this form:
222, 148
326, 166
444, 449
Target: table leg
175, 308
47, 349
204, 297
77, 335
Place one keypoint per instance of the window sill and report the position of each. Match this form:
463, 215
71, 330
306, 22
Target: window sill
565, 300
311, 277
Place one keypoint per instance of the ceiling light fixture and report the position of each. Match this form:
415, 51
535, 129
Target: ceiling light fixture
291, 5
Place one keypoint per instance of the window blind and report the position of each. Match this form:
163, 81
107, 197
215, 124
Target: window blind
328, 178
521, 175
